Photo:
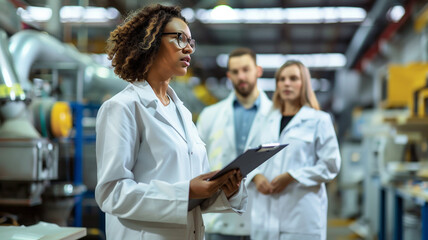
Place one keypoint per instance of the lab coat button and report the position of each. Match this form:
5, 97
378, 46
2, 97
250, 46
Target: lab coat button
225, 224
241, 225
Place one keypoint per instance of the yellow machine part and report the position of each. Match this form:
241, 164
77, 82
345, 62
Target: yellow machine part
403, 80
204, 95
13, 91
421, 20
422, 96
61, 119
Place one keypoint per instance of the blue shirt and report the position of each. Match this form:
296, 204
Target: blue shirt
243, 120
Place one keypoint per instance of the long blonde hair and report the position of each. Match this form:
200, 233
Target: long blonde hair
307, 95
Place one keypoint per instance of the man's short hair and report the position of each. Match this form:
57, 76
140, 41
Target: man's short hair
240, 52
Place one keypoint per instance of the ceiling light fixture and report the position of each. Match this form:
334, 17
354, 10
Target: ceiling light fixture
223, 13
395, 13
274, 61
76, 14
35, 14
309, 15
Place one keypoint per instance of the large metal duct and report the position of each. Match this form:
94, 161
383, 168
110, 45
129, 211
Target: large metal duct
28, 47
10, 89
12, 107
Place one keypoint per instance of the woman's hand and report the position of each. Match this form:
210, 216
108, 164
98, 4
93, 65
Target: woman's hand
262, 184
232, 184
280, 182
201, 188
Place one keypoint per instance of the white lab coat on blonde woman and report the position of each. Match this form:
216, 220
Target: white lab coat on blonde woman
312, 158
217, 129
145, 166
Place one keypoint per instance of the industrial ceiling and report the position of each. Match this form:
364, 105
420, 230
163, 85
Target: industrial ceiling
352, 39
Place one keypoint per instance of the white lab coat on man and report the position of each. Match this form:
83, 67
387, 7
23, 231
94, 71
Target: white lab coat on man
217, 129
144, 168
312, 158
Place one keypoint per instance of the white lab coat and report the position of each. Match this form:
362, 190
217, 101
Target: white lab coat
312, 158
217, 129
144, 168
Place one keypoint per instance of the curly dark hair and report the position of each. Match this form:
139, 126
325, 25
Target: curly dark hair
134, 44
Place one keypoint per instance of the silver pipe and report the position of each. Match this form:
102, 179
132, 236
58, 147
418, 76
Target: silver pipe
28, 47
12, 111
10, 88
54, 24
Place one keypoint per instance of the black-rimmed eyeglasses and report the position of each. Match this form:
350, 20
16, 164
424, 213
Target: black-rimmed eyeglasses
183, 40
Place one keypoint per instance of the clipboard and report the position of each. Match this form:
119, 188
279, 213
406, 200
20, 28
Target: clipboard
246, 162
251, 159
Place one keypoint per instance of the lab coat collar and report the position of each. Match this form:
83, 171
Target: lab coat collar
256, 104
263, 101
228, 122
305, 113
231, 98
147, 95
262, 112
149, 99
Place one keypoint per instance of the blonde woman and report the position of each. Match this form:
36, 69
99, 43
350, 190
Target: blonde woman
291, 199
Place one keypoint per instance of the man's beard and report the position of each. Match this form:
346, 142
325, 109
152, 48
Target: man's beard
246, 91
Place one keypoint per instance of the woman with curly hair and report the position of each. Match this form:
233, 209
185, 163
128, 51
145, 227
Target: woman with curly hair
150, 159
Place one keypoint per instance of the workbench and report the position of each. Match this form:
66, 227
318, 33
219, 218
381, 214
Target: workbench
41, 231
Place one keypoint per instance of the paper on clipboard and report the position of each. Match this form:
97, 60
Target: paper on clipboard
246, 162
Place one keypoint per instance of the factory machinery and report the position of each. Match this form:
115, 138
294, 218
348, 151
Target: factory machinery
387, 159
43, 85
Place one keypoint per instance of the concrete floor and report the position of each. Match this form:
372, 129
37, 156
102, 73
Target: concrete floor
337, 228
